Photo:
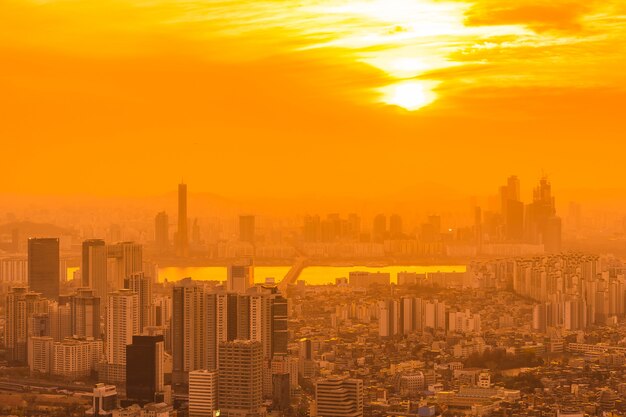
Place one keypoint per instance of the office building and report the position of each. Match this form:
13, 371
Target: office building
94, 267
339, 397
105, 401
240, 277
203, 393
44, 267
240, 382
144, 369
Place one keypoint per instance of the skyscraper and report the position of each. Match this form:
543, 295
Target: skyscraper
280, 331
202, 393
240, 383
247, 228
199, 322
127, 259
94, 267
141, 285
85, 313
44, 266
182, 234
122, 322
339, 397
161, 231
542, 223
20, 305
144, 369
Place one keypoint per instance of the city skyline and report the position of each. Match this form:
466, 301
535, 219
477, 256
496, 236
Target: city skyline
312, 208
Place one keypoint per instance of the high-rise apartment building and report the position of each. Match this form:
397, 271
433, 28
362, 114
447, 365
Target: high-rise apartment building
40, 354
85, 314
19, 307
44, 267
122, 322
199, 323
141, 285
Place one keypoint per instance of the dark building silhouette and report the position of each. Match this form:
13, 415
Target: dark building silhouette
512, 210
144, 369
542, 223
395, 226
161, 231
182, 234
280, 331
379, 230
247, 228
44, 267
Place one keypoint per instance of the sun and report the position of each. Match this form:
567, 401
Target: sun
410, 95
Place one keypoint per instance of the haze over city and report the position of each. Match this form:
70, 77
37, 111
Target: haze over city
312, 208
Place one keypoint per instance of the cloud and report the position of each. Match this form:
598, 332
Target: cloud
539, 15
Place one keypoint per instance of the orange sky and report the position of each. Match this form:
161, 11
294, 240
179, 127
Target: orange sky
310, 97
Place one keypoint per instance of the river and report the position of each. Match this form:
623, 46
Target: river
313, 275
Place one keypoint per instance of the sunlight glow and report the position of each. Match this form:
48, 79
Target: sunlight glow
410, 95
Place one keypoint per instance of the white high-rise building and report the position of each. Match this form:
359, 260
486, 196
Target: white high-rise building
74, 358
202, 393
122, 322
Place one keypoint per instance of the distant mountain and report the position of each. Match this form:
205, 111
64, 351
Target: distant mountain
31, 229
